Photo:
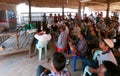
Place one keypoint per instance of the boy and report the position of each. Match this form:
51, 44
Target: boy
107, 55
57, 64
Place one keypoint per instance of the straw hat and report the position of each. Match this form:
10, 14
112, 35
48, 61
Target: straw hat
109, 42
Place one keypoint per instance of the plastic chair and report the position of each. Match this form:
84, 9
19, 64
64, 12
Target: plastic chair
86, 70
97, 52
74, 59
39, 46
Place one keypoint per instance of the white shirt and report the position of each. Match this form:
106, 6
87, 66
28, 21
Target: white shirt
43, 38
50, 20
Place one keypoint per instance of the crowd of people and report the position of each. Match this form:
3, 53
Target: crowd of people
82, 39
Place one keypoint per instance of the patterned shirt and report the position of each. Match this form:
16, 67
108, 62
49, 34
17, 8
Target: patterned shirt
81, 46
62, 40
65, 72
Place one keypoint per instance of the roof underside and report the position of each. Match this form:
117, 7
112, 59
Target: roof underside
93, 4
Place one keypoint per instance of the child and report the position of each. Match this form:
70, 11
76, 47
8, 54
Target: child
57, 64
106, 55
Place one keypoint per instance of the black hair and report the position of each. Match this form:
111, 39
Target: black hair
47, 30
62, 27
82, 33
59, 61
112, 69
66, 23
96, 32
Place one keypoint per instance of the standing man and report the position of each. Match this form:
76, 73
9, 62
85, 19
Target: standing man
50, 20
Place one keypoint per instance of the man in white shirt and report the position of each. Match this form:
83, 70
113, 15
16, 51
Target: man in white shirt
50, 20
43, 37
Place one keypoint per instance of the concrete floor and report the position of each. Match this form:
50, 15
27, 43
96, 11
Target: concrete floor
19, 64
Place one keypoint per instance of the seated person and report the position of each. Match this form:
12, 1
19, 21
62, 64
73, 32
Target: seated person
108, 68
76, 29
80, 48
65, 24
43, 37
54, 30
62, 39
106, 55
94, 41
57, 64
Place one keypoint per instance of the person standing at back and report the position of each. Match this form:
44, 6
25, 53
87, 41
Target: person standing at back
50, 20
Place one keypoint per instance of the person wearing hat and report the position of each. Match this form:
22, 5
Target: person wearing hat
106, 45
106, 55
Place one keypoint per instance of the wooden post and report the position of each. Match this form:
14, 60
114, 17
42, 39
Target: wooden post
63, 9
29, 1
29, 22
79, 12
108, 8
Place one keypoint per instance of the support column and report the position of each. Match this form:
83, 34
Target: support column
108, 8
63, 9
79, 11
29, 1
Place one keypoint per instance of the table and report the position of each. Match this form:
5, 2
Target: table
12, 33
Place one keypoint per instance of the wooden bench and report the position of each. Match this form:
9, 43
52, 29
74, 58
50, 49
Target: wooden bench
24, 44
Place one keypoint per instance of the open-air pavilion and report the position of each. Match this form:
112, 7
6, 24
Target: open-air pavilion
17, 46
